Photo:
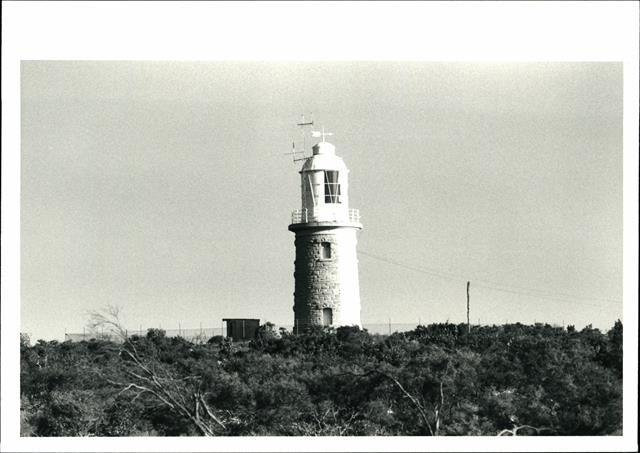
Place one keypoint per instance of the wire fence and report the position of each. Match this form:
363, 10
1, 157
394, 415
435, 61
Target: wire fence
199, 335
202, 335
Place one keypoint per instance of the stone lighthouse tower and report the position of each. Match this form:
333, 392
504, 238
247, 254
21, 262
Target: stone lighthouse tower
327, 291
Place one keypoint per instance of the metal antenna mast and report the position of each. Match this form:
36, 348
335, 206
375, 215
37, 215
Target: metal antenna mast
299, 155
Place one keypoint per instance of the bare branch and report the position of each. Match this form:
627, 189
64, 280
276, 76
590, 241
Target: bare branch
413, 399
210, 414
158, 381
415, 402
515, 429
107, 319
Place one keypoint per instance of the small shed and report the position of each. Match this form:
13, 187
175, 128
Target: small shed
240, 329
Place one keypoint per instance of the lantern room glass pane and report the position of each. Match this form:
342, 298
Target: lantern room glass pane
331, 187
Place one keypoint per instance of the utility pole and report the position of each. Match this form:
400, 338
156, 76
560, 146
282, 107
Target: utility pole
468, 323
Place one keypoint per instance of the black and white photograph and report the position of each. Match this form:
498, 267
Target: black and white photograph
293, 252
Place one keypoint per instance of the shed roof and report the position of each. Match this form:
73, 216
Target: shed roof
241, 319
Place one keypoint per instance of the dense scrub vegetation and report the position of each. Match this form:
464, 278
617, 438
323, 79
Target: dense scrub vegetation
435, 380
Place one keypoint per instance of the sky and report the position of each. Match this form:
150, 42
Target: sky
164, 188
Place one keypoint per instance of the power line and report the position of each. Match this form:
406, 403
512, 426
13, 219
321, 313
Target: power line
413, 268
495, 286
560, 299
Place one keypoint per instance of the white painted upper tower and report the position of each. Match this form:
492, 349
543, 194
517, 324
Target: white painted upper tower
326, 268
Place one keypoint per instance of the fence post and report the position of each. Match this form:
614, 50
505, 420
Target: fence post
468, 323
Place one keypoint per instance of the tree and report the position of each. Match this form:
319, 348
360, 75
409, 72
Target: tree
142, 374
108, 319
614, 348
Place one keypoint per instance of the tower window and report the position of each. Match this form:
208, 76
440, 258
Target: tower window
331, 187
326, 251
327, 316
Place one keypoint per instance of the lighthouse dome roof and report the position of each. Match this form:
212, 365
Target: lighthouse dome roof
324, 158
323, 148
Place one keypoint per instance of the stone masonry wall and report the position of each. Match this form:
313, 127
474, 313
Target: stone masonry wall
317, 282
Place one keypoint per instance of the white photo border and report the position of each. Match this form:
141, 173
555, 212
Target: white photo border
296, 31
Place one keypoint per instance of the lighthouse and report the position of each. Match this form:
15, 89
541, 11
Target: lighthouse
327, 291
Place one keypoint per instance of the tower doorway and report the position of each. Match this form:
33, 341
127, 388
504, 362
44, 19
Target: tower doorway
327, 316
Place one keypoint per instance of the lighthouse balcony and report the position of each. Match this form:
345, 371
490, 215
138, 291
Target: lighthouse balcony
323, 215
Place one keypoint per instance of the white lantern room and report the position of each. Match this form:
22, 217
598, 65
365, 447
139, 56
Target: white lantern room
325, 188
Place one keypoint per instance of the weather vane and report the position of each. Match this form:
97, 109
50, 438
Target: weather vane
320, 134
